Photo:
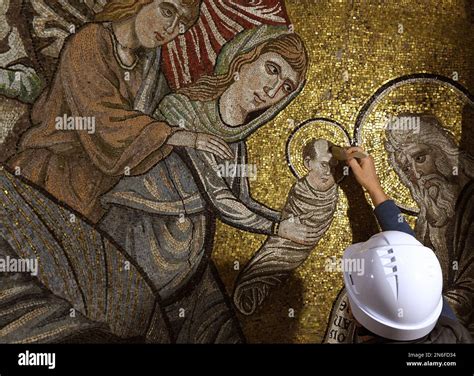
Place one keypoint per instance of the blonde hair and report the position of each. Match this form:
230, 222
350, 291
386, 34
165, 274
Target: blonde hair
117, 10
290, 46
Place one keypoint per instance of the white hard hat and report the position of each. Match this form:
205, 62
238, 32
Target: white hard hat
398, 293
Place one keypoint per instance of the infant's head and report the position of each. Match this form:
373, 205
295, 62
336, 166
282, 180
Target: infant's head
321, 164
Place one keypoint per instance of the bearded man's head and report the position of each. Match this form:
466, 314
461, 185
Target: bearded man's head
429, 163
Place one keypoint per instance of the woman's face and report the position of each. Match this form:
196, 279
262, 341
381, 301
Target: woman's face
161, 21
264, 82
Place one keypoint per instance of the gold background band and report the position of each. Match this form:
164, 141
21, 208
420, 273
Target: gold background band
355, 47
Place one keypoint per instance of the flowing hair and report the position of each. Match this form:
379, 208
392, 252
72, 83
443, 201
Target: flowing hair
290, 46
117, 10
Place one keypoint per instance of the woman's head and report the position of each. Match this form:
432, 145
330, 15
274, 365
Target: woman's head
260, 77
157, 22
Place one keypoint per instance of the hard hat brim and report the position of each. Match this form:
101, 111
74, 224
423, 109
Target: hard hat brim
392, 330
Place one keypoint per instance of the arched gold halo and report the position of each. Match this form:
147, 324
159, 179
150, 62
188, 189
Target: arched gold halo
420, 94
312, 128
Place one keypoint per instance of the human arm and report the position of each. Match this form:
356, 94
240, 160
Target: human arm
244, 190
201, 141
231, 210
388, 214
125, 140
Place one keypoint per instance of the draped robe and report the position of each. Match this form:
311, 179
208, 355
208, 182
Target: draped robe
278, 257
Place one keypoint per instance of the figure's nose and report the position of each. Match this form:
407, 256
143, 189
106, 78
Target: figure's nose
272, 87
412, 172
171, 28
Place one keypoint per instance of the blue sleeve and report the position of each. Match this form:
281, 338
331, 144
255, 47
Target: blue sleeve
390, 218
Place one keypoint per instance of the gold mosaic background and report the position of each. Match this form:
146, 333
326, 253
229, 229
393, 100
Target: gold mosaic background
355, 47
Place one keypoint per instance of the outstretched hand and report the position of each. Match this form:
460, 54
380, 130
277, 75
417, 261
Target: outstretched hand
293, 229
201, 141
366, 175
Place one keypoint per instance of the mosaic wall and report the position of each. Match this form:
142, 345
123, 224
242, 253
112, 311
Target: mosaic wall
369, 62
356, 47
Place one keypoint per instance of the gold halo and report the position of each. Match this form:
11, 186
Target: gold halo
303, 133
422, 98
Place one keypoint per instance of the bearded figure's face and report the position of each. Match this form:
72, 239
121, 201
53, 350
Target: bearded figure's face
431, 179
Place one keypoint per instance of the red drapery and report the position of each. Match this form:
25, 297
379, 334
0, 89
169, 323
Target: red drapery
194, 53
